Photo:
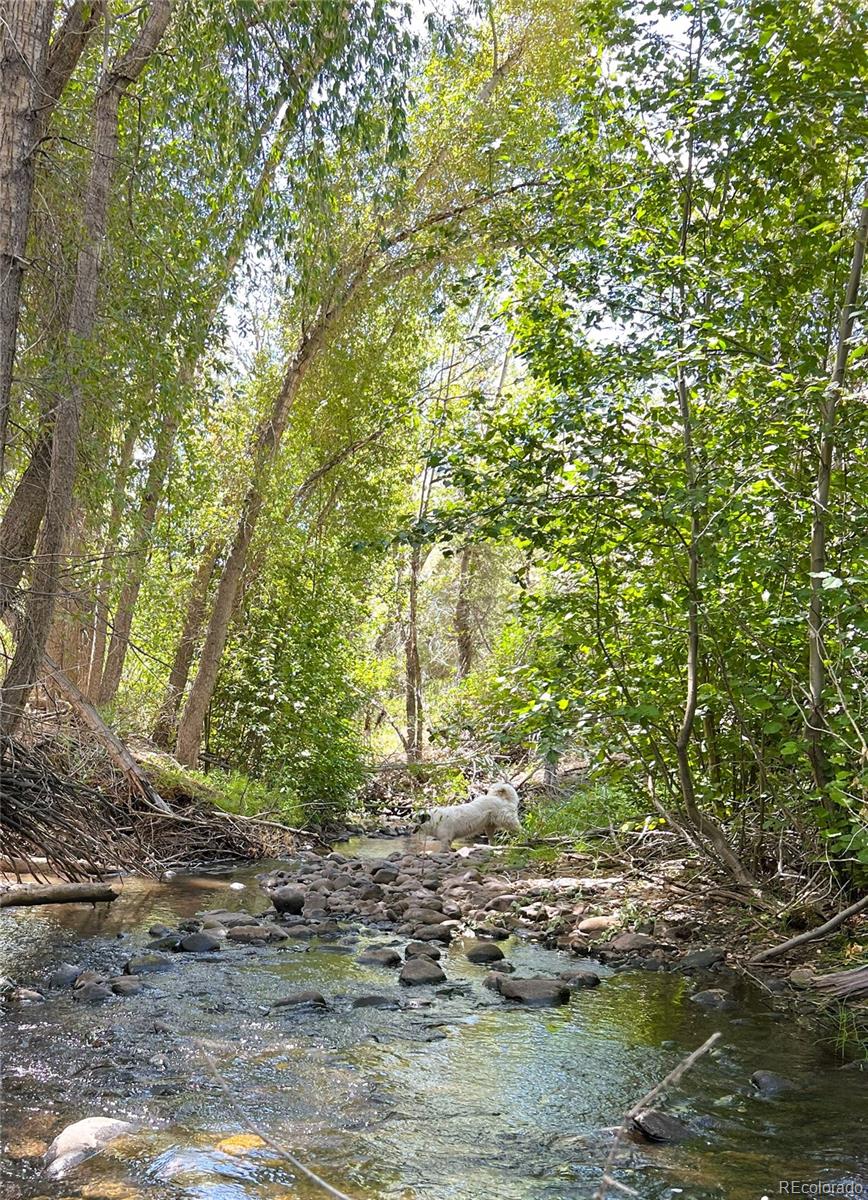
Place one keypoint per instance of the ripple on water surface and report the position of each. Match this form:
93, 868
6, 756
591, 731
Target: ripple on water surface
454, 1097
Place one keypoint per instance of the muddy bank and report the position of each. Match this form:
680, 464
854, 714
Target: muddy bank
450, 1083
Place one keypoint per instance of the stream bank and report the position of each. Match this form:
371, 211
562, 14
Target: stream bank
441, 1089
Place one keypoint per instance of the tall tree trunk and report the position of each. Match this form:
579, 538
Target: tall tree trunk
166, 724
25, 29
36, 622
463, 614
107, 566
816, 724
267, 444
413, 667
21, 521
32, 79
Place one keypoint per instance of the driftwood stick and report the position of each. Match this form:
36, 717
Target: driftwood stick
56, 893
827, 927
668, 1081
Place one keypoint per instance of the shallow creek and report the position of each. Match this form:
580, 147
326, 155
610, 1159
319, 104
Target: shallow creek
455, 1096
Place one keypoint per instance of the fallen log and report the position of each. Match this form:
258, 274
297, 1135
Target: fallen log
56, 893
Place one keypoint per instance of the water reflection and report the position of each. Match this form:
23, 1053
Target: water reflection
455, 1097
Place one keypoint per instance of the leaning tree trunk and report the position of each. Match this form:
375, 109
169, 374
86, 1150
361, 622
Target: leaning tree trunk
166, 724
816, 723
36, 622
192, 721
32, 79
463, 614
21, 521
413, 667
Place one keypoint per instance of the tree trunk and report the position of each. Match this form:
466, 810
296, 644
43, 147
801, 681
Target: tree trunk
25, 29
20, 527
816, 723
166, 724
267, 443
31, 83
35, 625
413, 667
107, 566
144, 528
463, 614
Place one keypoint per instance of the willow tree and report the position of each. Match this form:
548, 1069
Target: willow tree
468, 147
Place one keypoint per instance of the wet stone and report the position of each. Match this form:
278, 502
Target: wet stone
64, 976
713, 998
420, 971
199, 943
309, 996
423, 949
580, 979
702, 960
483, 952
536, 992
660, 1127
288, 900
769, 1083
93, 993
170, 942
374, 1001
125, 985
146, 964
384, 957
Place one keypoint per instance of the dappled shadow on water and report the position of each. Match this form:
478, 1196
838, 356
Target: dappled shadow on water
455, 1096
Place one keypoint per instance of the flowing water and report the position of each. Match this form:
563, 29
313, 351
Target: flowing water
453, 1096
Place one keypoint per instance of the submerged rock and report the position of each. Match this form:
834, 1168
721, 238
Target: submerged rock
580, 979
374, 1001
660, 1127
768, 1083
701, 960
712, 998
309, 996
530, 991
80, 1141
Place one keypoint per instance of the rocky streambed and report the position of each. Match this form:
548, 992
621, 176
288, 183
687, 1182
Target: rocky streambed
410, 1025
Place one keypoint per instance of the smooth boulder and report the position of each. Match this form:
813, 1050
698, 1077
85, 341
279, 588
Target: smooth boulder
483, 952
420, 971
534, 992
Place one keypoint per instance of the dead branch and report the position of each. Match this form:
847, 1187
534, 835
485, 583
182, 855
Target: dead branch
812, 934
56, 893
624, 1128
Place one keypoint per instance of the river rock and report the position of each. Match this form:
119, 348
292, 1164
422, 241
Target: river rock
419, 971
702, 960
506, 967
433, 933
93, 993
380, 957
88, 976
226, 918
580, 979
160, 931
660, 1127
23, 995
421, 949
171, 941
496, 933
483, 952
64, 976
146, 964
288, 900
712, 998
256, 934
374, 1001
626, 943
125, 985
597, 924
199, 943
535, 992
309, 996
768, 1083
80, 1141
385, 874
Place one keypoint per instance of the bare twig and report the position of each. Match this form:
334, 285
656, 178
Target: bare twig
624, 1128
269, 1141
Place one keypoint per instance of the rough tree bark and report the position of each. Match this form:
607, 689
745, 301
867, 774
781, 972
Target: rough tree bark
32, 79
463, 614
25, 29
413, 666
36, 621
816, 723
166, 724
57, 893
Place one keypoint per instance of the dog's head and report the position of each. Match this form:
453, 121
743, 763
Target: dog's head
423, 822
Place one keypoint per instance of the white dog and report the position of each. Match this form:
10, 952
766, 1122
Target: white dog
497, 809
